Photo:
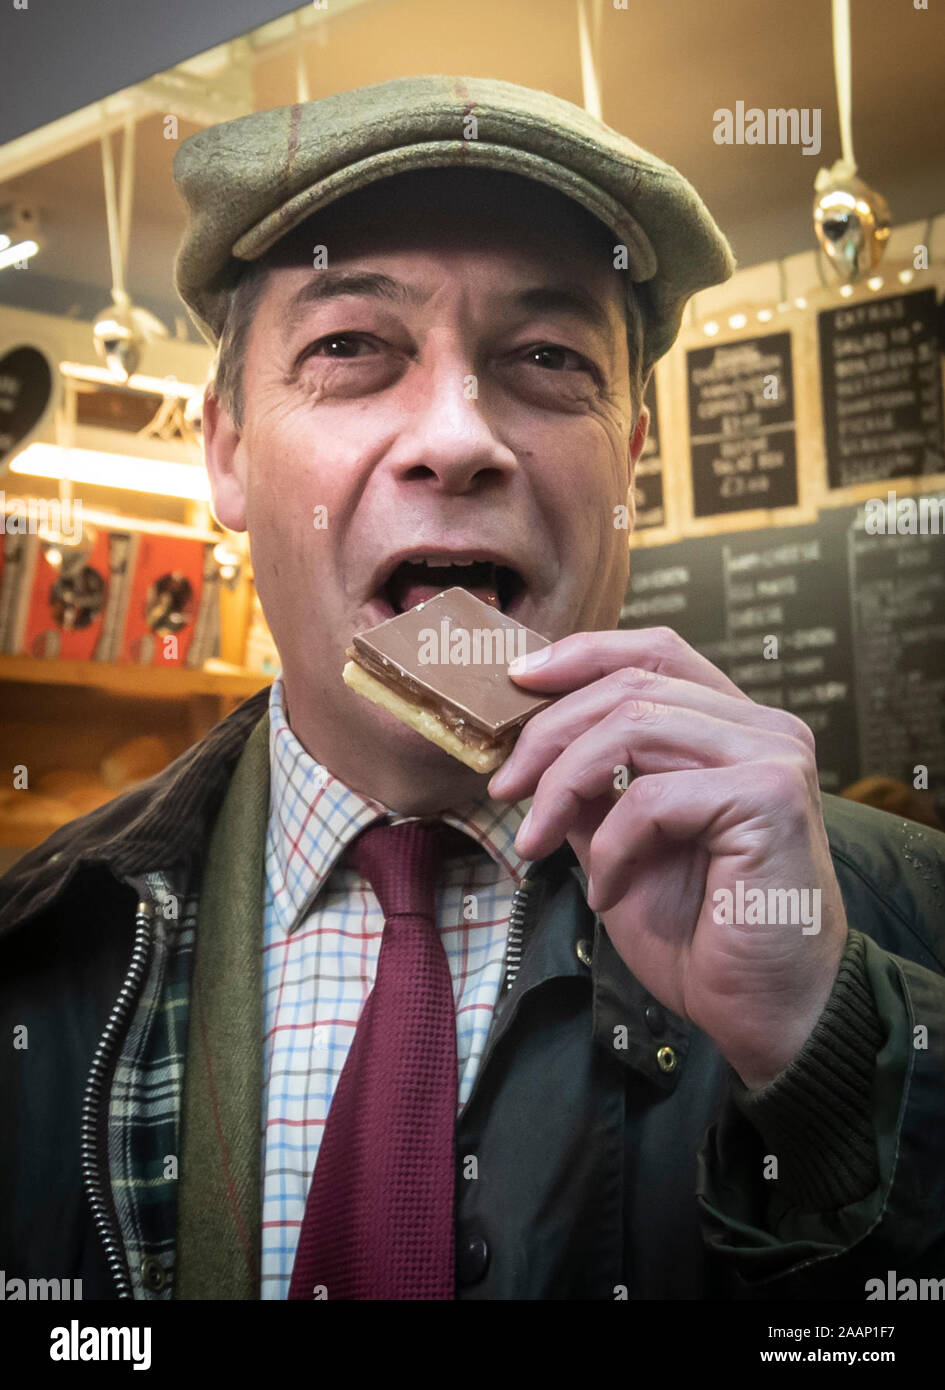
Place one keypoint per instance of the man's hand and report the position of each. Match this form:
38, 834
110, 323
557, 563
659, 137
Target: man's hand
723, 790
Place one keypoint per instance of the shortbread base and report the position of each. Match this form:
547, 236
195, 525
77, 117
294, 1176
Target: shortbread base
423, 721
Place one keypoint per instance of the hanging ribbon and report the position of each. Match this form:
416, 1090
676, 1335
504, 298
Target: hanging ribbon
301, 75
589, 38
120, 330
842, 67
845, 166
118, 216
127, 189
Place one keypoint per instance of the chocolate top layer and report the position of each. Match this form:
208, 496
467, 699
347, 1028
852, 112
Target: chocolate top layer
456, 650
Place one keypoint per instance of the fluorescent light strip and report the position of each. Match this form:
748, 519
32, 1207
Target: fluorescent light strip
156, 385
21, 251
161, 477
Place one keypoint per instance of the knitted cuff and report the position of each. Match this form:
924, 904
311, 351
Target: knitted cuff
816, 1117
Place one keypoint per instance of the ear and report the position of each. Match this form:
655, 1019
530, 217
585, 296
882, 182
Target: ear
225, 462
638, 438
634, 450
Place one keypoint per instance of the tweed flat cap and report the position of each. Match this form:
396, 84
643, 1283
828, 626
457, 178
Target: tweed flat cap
250, 181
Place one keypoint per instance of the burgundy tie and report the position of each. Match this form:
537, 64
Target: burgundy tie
379, 1216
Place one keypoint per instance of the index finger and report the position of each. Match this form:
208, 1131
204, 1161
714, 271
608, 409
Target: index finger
583, 657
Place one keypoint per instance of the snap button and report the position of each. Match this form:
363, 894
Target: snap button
584, 952
655, 1019
666, 1058
153, 1274
472, 1259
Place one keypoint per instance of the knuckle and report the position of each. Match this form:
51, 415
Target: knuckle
646, 788
665, 650
636, 710
796, 728
635, 678
805, 735
666, 642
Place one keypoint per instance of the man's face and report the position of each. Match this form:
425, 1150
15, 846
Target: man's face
448, 405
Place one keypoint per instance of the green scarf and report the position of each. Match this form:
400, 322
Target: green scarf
219, 1214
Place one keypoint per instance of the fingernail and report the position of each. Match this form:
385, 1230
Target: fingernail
523, 828
530, 662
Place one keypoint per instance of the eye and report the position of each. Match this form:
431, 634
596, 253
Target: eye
552, 356
342, 341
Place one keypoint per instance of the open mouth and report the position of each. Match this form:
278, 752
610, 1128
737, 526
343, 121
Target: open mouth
416, 581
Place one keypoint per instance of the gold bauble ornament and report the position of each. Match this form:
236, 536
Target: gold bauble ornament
852, 224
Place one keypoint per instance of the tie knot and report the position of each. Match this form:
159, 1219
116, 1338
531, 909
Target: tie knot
401, 861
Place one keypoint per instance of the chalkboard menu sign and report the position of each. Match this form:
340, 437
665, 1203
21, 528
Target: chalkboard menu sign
881, 382
741, 425
844, 628
648, 479
898, 587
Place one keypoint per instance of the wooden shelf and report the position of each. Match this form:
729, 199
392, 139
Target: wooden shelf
46, 701
145, 682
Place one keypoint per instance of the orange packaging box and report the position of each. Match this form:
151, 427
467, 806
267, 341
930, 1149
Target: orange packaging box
69, 598
172, 601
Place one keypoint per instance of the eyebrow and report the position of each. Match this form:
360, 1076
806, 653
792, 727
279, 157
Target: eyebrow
333, 284
572, 301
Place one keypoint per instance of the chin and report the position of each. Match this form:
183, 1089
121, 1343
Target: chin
416, 778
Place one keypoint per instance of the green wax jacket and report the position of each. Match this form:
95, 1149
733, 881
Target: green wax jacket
607, 1150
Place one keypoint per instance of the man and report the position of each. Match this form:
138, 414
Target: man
438, 301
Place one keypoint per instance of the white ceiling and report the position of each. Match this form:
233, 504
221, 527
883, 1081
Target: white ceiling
665, 66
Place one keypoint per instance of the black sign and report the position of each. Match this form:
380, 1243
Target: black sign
741, 425
881, 381
843, 628
26, 386
648, 479
898, 586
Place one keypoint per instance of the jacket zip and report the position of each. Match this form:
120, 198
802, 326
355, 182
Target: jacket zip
522, 900
94, 1112
515, 942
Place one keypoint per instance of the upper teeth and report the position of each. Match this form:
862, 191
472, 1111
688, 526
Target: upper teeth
438, 561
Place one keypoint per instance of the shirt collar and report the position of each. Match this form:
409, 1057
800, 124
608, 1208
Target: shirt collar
314, 816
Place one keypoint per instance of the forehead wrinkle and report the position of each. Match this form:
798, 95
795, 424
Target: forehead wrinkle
334, 284
571, 300
574, 301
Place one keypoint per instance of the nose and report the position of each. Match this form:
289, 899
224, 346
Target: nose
448, 440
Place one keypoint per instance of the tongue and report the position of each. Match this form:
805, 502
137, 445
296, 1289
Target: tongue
414, 583
415, 593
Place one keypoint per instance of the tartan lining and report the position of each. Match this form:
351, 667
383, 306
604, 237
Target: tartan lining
144, 1107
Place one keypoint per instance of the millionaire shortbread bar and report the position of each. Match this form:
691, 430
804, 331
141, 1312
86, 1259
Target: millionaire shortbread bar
442, 668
